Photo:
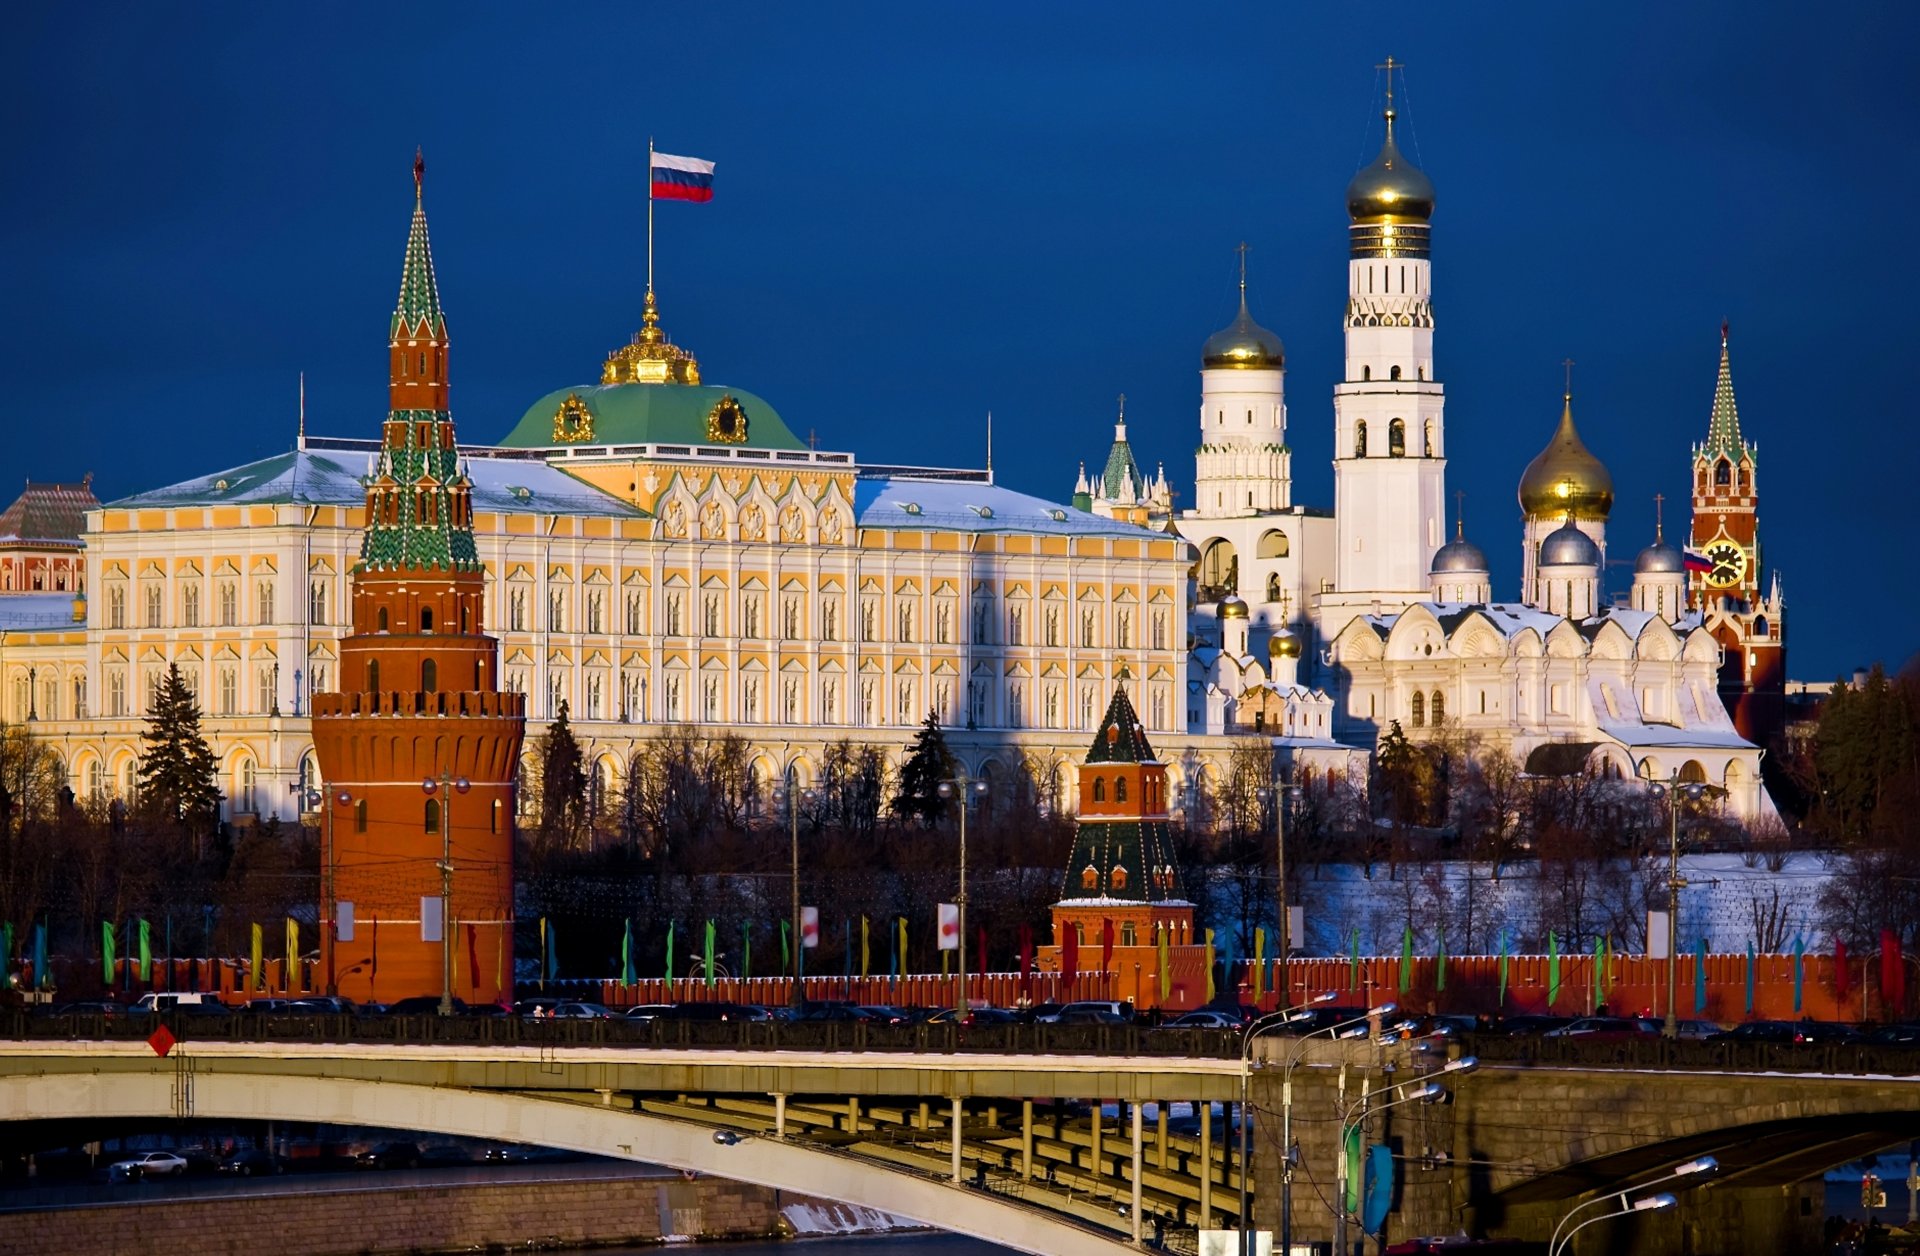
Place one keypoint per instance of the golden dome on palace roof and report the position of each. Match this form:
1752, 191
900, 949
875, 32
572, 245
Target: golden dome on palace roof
1565, 476
650, 358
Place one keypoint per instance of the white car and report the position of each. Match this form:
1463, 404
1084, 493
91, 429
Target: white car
150, 1164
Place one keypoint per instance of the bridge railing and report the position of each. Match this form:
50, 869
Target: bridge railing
831, 1036
1682, 1054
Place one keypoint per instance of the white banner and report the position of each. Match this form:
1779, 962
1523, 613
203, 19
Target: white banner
343, 922
810, 926
949, 927
430, 930
1659, 931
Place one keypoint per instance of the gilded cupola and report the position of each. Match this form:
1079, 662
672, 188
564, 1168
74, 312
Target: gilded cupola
1565, 477
1391, 201
650, 358
1243, 345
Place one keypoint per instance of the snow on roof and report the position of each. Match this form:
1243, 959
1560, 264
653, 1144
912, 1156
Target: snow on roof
1666, 736
891, 501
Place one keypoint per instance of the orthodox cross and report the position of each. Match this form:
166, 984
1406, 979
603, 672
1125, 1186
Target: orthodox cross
1460, 514
1659, 507
1389, 67
1568, 363
1241, 249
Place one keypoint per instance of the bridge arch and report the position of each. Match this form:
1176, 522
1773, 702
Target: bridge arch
173, 1089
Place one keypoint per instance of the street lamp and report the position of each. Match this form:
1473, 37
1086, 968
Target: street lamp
1646, 1203
1692, 1168
1280, 796
1419, 1090
795, 796
964, 788
1673, 789
33, 711
446, 787
1259, 1025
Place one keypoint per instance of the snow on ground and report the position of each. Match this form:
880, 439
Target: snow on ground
823, 1217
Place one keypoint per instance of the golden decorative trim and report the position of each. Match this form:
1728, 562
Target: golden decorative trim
572, 422
727, 423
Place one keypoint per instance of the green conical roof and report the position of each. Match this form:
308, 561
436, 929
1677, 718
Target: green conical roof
1120, 739
419, 302
1723, 431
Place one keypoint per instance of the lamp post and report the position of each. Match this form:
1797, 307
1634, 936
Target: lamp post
1673, 790
962, 787
1705, 1164
446, 787
1646, 1203
1280, 796
794, 798
1259, 1025
33, 711
1421, 1090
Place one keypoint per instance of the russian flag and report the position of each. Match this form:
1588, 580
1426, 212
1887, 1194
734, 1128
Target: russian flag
1696, 562
681, 178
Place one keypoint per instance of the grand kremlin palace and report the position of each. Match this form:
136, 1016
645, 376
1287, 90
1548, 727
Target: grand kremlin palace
661, 552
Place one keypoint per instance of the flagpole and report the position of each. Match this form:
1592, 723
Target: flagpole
649, 215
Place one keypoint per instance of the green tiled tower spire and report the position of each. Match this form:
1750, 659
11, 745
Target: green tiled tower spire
1122, 851
1723, 432
419, 500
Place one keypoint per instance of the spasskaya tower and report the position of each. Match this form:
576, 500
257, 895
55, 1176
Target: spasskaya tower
419, 746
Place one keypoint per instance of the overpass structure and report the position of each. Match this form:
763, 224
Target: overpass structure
1070, 1153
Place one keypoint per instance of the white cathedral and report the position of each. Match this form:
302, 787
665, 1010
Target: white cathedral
1321, 628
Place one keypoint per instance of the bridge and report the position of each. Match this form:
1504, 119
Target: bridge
1014, 1146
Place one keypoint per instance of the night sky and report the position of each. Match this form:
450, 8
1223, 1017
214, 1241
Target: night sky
924, 213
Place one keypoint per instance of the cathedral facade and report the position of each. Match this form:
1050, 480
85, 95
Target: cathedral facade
1322, 629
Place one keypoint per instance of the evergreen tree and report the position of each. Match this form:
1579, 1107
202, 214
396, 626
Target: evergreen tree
177, 768
920, 776
563, 785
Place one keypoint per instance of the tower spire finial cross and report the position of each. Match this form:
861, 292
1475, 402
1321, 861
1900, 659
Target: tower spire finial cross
1390, 65
1568, 364
1242, 249
1659, 511
1459, 515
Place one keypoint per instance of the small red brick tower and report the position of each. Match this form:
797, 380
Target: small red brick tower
1749, 623
1121, 876
419, 747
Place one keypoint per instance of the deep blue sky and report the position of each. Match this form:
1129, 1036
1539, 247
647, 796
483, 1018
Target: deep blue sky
927, 212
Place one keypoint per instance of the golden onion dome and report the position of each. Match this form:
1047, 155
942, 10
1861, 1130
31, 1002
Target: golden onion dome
1392, 189
1284, 644
1565, 477
1244, 345
1231, 607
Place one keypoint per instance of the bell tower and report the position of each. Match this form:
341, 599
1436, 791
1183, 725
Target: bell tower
1745, 616
419, 746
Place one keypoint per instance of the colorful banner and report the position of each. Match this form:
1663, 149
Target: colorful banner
1752, 959
106, 952
1406, 959
1700, 980
1259, 972
293, 952
1799, 970
626, 954
706, 957
1504, 957
746, 950
1211, 992
1166, 966
1440, 963
258, 971
146, 951
1553, 968
670, 929
1353, 972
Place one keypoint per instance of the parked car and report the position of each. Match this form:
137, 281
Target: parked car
1893, 1035
1757, 1031
326, 1005
581, 1011
1205, 1018
716, 1011
1606, 1029
106, 1009
975, 1016
543, 1004
151, 1164
649, 1012
1044, 1013
1696, 1030
1527, 1025
389, 1156
1824, 1031
251, 1162
166, 1001
835, 1012
423, 1005
1081, 1012
441, 1154
882, 1014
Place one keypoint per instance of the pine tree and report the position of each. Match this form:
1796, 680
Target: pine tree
920, 776
563, 785
177, 768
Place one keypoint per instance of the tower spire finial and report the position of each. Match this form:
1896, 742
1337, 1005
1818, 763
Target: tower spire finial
1390, 65
1568, 364
1659, 513
300, 441
419, 172
1459, 515
1120, 424
1241, 249
1724, 329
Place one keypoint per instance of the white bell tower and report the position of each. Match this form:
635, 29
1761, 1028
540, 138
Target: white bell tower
1389, 424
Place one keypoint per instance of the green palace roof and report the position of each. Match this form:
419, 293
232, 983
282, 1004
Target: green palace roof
651, 414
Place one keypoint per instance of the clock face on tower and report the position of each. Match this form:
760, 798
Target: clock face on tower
1729, 564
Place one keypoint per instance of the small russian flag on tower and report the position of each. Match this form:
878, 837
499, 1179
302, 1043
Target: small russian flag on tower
1696, 562
681, 178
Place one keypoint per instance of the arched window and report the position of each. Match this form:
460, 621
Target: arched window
1419, 710
373, 675
1397, 439
1099, 789
1273, 544
1360, 439
426, 619
1394, 373
1429, 445
1273, 587
1090, 879
1119, 789
380, 620
1439, 707
243, 787
1722, 473
429, 675
1366, 373
1117, 879
432, 820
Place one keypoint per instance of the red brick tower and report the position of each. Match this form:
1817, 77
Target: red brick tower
419, 746
1748, 623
